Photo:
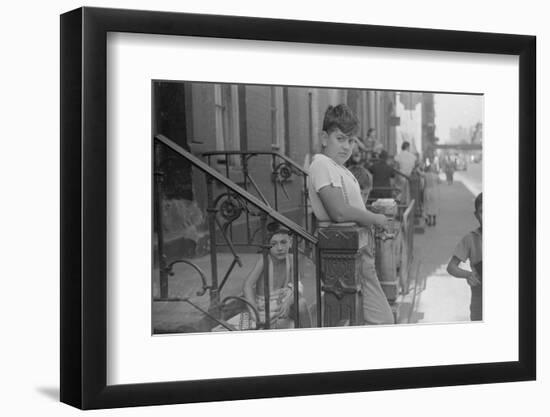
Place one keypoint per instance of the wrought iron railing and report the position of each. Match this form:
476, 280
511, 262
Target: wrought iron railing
283, 171
407, 228
227, 202
236, 219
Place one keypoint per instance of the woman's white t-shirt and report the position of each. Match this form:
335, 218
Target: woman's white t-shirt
324, 171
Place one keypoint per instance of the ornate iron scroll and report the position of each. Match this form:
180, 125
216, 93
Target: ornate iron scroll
339, 274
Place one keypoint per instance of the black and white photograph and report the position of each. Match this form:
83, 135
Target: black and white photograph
248, 208
294, 207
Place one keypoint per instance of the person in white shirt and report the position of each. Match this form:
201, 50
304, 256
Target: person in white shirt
407, 162
336, 197
406, 159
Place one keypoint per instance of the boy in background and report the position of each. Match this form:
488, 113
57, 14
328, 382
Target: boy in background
361, 174
364, 178
469, 248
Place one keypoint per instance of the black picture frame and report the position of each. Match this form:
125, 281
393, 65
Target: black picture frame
84, 193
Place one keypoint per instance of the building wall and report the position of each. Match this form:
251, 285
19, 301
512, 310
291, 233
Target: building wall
259, 136
203, 134
258, 117
204, 126
299, 124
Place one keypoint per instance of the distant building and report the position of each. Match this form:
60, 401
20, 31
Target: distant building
459, 134
476, 135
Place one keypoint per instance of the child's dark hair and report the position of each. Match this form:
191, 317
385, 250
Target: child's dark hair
478, 202
340, 117
275, 228
361, 175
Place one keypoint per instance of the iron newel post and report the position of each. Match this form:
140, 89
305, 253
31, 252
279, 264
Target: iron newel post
340, 255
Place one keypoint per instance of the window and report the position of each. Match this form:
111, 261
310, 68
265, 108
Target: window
314, 122
226, 98
278, 127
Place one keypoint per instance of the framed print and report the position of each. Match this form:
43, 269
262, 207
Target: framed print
258, 208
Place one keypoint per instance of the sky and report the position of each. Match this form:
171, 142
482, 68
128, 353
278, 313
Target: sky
453, 110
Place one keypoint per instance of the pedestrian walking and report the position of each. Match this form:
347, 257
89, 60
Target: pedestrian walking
431, 195
450, 168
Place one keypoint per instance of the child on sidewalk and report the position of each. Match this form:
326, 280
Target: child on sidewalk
469, 248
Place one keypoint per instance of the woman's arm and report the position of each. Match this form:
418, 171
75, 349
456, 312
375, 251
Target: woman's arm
339, 211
